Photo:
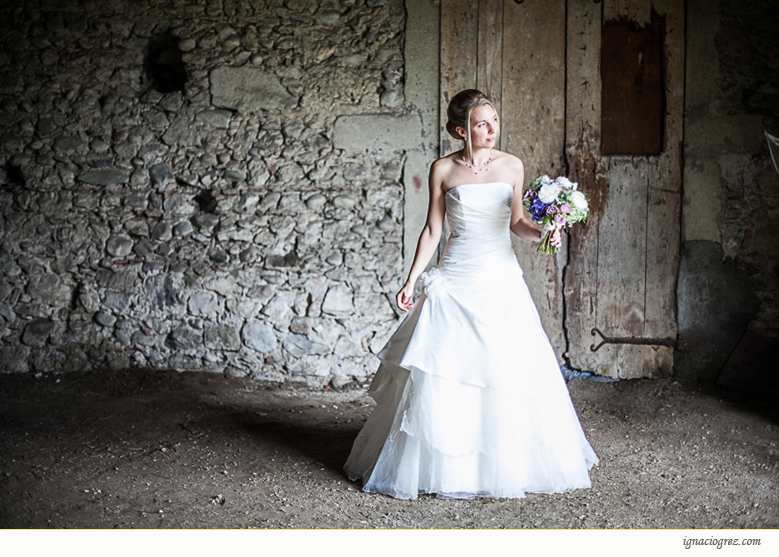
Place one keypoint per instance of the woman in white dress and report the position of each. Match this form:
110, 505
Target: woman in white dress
470, 398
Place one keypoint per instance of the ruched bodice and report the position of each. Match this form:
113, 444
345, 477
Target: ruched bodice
478, 217
470, 399
480, 211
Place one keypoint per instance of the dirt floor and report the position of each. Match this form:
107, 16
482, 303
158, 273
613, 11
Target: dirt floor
151, 449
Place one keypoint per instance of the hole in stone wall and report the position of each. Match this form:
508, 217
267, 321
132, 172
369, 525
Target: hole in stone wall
206, 201
164, 68
11, 175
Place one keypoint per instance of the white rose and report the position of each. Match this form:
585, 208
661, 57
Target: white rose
548, 193
578, 200
565, 182
540, 181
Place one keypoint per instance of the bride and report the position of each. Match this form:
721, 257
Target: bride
470, 398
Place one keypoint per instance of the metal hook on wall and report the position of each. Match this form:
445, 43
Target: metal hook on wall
669, 342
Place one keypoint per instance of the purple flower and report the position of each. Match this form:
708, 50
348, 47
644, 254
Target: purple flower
565, 208
552, 209
530, 194
559, 220
537, 209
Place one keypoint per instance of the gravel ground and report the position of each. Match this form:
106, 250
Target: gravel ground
151, 449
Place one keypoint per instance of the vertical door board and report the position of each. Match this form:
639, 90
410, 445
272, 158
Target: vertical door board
622, 264
534, 85
582, 144
622, 252
459, 44
533, 128
489, 69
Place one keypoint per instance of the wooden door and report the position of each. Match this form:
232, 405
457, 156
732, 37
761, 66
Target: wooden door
540, 61
621, 276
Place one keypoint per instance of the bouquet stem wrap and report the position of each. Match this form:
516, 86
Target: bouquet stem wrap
546, 243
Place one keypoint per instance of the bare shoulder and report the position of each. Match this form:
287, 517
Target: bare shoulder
509, 168
509, 161
441, 170
444, 164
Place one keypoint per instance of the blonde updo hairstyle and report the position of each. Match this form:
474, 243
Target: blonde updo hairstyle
458, 115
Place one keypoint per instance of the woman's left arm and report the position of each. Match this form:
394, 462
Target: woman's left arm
520, 225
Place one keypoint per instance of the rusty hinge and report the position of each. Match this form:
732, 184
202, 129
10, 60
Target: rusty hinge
670, 342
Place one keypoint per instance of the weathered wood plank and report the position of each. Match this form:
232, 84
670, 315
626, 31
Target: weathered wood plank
674, 54
612, 9
582, 145
663, 226
622, 241
533, 128
664, 196
622, 250
640, 11
637, 11
459, 45
534, 85
634, 300
489, 72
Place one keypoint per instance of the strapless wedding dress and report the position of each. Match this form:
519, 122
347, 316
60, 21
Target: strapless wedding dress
470, 398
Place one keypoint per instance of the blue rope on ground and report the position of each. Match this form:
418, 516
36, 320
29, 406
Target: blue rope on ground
569, 374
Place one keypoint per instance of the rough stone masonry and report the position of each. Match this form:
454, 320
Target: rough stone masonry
172, 196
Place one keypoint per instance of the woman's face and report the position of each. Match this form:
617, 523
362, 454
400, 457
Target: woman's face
484, 127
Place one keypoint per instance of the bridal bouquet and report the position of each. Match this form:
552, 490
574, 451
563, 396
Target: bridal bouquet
555, 204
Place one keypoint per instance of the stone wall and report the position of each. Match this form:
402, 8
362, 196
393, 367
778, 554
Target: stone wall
172, 195
729, 276
749, 66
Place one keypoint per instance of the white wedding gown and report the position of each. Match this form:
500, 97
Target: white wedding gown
470, 398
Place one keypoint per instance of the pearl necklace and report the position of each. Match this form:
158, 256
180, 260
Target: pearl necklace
475, 169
